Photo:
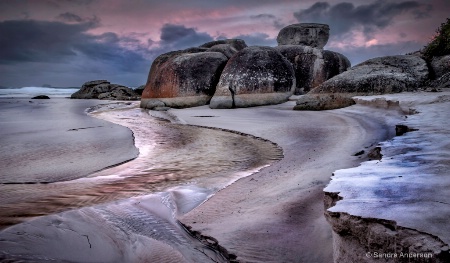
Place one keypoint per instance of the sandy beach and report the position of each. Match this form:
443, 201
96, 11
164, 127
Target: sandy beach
276, 214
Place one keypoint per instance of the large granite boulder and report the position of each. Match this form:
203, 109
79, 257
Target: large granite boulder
182, 79
381, 75
102, 89
254, 76
313, 66
308, 34
390, 74
440, 65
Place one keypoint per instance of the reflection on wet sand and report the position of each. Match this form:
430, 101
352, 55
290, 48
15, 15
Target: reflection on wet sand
170, 155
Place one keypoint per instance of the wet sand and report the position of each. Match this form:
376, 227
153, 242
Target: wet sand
276, 215
128, 213
43, 141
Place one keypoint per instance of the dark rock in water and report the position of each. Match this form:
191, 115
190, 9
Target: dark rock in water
317, 102
183, 79
102, 89
375, 154
41, 97
381, 75
308, 34
254, 76
440, 66
313, 66
237, 44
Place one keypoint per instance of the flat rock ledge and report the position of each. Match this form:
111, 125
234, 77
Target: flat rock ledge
396, 209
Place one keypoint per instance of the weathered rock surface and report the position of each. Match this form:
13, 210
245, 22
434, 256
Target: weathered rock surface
440, 66
182, 79
381, 75
440, 83
313, 66
308, 34
238, 44
375, 76
41, 97
317, 102
102, 89
254, 76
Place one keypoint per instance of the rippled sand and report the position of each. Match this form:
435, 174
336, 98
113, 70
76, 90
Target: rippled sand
127, 213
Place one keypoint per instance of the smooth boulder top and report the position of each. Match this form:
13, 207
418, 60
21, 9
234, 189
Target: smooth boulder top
308, 34
252, 72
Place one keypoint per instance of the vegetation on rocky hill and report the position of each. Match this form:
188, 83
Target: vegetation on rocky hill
440, 44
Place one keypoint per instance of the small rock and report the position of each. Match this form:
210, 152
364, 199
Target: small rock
41, 97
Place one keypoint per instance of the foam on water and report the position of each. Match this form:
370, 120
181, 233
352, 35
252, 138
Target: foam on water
34, 91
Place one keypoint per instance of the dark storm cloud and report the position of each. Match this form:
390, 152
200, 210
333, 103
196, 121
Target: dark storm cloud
263, 16
42, 41
276, 22
343, 17
181, 37
70, 17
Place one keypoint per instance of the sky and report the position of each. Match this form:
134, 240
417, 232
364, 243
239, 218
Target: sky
65, 43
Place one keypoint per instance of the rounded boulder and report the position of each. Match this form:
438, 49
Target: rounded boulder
254, 76
308, 34
183, 79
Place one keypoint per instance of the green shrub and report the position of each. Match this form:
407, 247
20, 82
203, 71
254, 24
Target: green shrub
440, 44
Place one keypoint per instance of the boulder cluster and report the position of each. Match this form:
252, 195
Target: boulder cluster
229, 74
382, 75
104, 90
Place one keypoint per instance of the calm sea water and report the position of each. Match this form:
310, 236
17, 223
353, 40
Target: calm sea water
35, 91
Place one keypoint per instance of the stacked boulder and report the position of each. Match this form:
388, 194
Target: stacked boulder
228, 74
302, 45
104, 90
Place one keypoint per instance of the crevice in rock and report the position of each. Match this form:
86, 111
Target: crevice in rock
230, 87
211, 243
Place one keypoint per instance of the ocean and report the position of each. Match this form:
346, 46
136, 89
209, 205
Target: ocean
24, 92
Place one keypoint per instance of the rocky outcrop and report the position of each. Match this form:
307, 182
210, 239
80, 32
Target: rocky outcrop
308, 34
183, 79
313, 66
381, 75
104, 90
440, 66
188, 78
252, 77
